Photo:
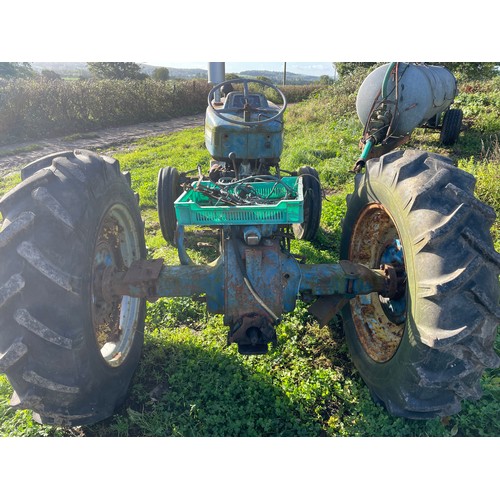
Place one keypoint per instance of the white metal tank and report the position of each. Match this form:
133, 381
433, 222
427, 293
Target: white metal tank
422, 92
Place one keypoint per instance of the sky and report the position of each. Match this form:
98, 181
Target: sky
251, 30
302, 68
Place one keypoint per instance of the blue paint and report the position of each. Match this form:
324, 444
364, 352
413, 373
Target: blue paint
394, 308
393, 254
247, 143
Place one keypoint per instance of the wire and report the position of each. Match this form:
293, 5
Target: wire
243, 192
263, 178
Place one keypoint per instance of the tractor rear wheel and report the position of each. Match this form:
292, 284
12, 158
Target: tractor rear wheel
424, 350
68, 349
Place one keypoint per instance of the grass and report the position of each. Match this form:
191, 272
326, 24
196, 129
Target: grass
190, 383
9, 181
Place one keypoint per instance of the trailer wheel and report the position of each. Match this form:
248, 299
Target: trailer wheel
423, 351
67, 348
452, 124
311, 188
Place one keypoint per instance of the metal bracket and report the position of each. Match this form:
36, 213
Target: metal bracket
139, 280
143, 270
326, 307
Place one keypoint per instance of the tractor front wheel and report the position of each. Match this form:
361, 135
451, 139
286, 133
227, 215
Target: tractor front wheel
311, 188
422, 351
167, 191
68, 348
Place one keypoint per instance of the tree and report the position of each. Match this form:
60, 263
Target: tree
10, 70
115, 70
264, 79
48, 74
346, 68
326, 80
462, 70
161, 74
471, 70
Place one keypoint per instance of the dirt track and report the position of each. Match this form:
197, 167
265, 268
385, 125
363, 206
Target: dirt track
12, 161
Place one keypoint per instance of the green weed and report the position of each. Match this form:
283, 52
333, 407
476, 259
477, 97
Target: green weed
20, 423
8, 182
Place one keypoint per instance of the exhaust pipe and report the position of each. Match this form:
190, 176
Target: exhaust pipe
216, 75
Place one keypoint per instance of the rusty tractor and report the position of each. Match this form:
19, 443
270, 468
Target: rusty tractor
416, 286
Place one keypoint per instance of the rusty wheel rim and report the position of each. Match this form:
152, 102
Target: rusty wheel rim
115, 319
379, 322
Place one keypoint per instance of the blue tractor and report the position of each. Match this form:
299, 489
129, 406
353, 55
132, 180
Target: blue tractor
256, 209
416, 286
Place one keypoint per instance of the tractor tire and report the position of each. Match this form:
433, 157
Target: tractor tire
68, 352
423, 351
452, 124
311, 187
167, 191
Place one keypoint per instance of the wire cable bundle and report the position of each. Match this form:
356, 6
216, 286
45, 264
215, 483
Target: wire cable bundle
228, 191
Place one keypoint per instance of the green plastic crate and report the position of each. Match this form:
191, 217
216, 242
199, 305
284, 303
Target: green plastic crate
195, 208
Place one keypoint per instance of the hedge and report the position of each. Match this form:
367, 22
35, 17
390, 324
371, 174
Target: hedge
40, 108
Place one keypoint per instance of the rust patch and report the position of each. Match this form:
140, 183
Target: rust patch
378, 335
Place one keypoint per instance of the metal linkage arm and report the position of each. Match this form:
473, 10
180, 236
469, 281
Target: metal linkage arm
346, 279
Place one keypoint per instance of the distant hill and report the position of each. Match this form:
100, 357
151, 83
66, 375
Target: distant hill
79, 69
178, 73
64, 69
277, 77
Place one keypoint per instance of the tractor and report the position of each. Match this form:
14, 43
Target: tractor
416, 286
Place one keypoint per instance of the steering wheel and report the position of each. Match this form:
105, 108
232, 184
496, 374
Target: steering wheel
245, 82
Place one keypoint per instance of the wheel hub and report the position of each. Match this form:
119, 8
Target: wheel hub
392, 262
379, 321
114, 317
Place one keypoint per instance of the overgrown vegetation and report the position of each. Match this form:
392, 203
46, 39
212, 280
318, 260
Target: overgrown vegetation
41, 108
190, 383
31, 109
